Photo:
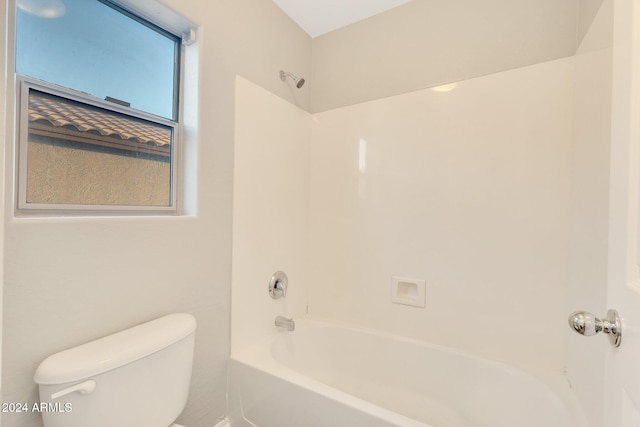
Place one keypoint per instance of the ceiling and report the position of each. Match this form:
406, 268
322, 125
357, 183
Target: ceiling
318, 17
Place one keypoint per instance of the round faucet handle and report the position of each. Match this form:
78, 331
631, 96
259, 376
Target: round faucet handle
278, 285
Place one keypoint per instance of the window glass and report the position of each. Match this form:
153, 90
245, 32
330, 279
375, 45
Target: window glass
93, 48
80, 154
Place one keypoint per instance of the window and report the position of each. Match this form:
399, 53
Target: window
98, 109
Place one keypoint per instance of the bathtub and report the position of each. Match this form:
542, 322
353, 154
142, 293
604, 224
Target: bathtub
325, 375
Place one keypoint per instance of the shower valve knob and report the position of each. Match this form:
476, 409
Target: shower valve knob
587, 324
278, 285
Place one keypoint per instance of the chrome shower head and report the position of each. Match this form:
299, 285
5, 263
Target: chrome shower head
299, 81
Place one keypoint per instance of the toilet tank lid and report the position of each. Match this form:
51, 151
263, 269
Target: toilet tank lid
114, 350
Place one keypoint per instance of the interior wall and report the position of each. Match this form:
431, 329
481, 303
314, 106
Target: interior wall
70, 280
428, 43
466, 189
587, 11
270, 211
589, 214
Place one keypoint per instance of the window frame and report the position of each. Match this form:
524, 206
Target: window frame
24, 84
160, 18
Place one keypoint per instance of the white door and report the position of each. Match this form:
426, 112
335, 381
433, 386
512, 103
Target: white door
622, 385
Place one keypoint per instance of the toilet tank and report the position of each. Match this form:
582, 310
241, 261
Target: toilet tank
138, 377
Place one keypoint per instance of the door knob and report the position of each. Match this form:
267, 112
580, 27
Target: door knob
587, 324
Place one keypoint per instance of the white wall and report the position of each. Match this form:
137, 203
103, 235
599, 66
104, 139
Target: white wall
589, 216
427, 43
270, 211
71, 280
587, 11
467, 189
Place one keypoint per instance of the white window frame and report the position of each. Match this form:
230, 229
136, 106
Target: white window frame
24, 84
161, 16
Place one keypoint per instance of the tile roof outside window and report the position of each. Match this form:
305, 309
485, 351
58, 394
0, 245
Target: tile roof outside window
62, 113
67, 118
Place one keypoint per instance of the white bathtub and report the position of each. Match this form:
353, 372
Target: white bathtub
323, 375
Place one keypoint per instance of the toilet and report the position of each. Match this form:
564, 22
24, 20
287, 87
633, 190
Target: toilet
138, 377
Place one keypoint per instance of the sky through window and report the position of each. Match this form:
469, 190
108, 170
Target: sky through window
96, 49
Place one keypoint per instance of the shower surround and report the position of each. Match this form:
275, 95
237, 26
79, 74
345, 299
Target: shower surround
466, 189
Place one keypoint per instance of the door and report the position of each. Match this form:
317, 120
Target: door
622, 371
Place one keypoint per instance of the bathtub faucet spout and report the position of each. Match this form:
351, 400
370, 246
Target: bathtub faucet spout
283, 322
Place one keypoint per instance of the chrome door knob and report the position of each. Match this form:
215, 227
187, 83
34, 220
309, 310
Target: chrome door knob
587, 324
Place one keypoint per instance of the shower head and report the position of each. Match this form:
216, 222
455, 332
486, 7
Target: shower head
299, 81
